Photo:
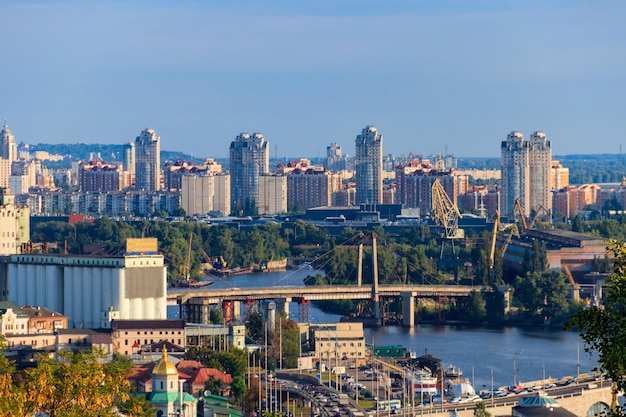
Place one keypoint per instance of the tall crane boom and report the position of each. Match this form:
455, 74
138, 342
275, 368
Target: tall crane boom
445, 213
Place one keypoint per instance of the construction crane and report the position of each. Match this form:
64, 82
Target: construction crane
518, 205
185, 270
497, 227
534, 219
574, 287
446, 215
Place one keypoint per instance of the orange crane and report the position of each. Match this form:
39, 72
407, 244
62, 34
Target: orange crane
185, 270
497, 227
574, 287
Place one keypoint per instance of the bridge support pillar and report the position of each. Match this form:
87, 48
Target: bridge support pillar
282, 305
237, 311
269, 308
227, 308
408, 308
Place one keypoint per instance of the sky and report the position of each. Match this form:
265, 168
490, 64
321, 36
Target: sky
432, 76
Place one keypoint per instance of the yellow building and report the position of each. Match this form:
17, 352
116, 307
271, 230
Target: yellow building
14, 224
338, 342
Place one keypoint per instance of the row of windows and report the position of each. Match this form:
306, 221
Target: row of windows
342, 344
160, 332
145, 342
7, 234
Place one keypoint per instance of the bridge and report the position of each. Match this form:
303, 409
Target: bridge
306, 294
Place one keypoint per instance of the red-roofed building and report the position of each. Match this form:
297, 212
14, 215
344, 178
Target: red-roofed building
195, 375
192, 372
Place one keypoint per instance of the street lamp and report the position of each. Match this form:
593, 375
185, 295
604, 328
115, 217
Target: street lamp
515, 366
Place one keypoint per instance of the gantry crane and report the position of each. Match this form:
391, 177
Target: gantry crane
574, 287
446, 215
497, 227
185, 270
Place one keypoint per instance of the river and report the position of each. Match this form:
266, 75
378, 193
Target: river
479, 351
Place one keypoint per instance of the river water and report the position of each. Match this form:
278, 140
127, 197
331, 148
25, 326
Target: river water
483, 354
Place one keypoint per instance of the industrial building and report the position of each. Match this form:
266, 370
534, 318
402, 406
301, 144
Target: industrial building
90, 290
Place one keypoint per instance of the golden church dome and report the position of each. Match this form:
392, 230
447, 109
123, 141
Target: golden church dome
164, 367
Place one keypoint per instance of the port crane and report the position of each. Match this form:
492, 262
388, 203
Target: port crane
446, 215
185, 269
497, 227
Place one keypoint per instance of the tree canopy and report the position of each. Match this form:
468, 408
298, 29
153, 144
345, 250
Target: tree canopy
603, 329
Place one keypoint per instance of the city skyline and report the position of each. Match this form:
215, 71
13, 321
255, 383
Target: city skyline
433, 76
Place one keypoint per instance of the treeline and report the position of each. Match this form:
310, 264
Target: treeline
411, 257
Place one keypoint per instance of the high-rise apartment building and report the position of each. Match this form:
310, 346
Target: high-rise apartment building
148, 161
128, 161
369, 165
8, 147
514, 167
526, 171
249, 159
539, 169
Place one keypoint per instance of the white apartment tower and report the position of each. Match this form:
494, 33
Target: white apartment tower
148, 161
128, 163
525, 167
249, 159
539, 169
8, 147
369, 166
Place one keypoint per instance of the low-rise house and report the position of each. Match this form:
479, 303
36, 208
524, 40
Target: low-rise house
129, 336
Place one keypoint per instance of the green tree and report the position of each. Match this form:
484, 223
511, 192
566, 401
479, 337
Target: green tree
216, 316
603, 329
213, 385
239, 388
255, 326
480, 410
474, 307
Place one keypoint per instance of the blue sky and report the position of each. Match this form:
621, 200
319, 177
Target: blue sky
427, 74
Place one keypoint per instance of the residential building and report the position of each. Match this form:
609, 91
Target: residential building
308, 185
173, 172
8, 147
14, 224
272, 194
414, 183
5, 173
369, 165
131, 336
515, 175
202, 193
335, 161
13, 320
95, 176
249, 159
128, 162
559, 176
110, 203
338, 341
540, 172
44, 320
148, 161
526, 173
483, 200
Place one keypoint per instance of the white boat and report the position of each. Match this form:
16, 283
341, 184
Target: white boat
423, 382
